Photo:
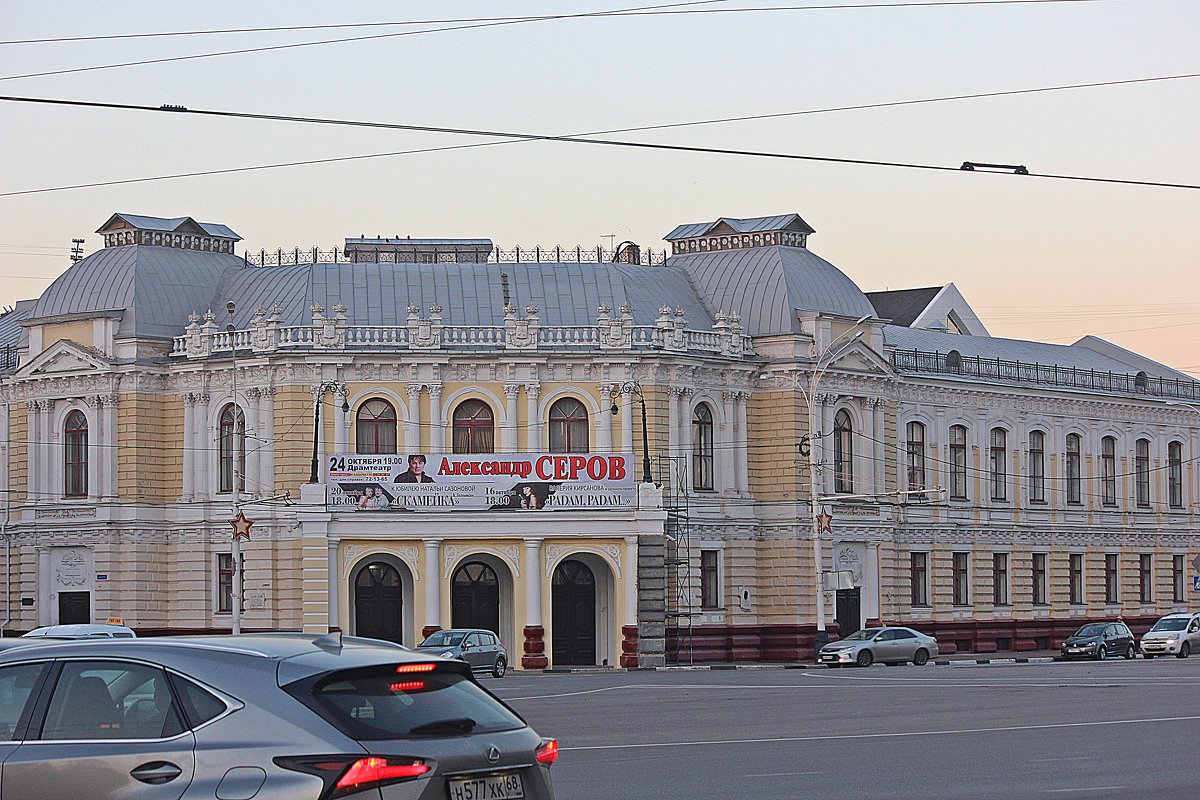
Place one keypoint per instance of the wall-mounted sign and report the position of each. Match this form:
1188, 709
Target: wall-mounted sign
480, 482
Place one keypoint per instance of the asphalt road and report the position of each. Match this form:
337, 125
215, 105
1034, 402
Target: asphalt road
1081, 729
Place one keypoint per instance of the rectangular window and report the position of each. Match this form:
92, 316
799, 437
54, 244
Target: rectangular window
1037, 467
1175, 474
1146, 578
958, 462
916, 459
1111, 595
1108, 470
225, 582
710, 579
918, 576
1075, 578
961, 579
1039, 579
1074, 489
999, 464
1177, 575
1141, 471
1000, 579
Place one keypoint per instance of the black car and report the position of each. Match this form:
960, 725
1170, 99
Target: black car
1099, 640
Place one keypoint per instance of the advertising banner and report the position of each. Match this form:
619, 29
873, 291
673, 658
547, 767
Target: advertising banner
480, 482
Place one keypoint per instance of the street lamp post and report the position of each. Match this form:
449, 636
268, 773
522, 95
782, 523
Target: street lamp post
318, 399
820, 365
633, 387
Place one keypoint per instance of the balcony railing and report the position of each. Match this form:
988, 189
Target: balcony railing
9, 358
1005, 371
379, 254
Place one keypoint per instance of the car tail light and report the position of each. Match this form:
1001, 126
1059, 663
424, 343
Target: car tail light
407, 668
547, 752
407, 686
345, 775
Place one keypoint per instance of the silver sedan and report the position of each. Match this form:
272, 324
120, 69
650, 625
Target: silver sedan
891, 645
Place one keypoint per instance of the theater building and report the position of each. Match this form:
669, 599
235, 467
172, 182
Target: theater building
993, 492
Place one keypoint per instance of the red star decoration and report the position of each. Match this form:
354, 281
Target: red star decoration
241, 526
824, 523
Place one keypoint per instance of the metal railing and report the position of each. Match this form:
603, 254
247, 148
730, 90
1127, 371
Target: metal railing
1002, 370
9, 358
375, 254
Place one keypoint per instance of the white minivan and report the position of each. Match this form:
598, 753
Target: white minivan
1173, 635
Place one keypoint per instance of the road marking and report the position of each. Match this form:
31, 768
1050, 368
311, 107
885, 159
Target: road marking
777, 774
896, 735
1082, 789
1066, 758
575, 694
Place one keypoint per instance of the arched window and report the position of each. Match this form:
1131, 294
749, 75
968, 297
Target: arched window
1141, 472
375, 428
1037, 467
1175, 474
473, 428
916, 458
843, 452
75, 455
568, 426
1074, 472
1108, 470
954, 361
702, 447
999, 464
958, 462
233, 448
1139, 382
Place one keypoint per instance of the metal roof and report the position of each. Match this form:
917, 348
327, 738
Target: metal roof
469, 293
144, 223
750, 225
154, 288
766, 285
11, 332
1011, 350
902, 306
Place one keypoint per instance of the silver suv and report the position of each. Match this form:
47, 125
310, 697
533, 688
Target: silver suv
269, 716
1175, 634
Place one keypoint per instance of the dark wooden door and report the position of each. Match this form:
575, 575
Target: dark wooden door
573, 602
849, 611
74, 608
475, 597
379, 603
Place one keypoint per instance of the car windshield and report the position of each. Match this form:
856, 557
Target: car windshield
864, 635
377, 703
1088, 631
1177, 624
444, 639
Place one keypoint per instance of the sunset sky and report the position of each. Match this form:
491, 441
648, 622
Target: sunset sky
1038, 258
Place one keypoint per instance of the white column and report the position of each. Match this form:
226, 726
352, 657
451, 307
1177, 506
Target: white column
203, 447
875, 445
627, 422
334, 588
266, 399
437, 431
673, 399
741, 439
533, 582
826, 406
33, 413
508, 433
341, 419
45, 605
253, 442
412, 424
726, 444
631, 581
112, 440
871, 582
533, 432
95, 455
604, 420
685, 435
49, 487
431, 575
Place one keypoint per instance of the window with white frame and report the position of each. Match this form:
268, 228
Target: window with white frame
843, 453
710, 579
1074, 469
918, 576
1108, 470
702, 447
1038, 578
958, 462
232, 448
1175, 474
1075, 578
224, 582
1112, 594
961, 579
1141, 472
999, 579
1037, 467
916, 457
568, 426
999, 464
75, 455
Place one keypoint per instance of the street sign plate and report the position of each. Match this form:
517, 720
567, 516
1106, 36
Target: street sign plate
1196, 583
1196, 563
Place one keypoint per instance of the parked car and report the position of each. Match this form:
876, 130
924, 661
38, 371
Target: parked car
481, 649
1099, 640
86, 631
1175, 634
291, 716
890, 645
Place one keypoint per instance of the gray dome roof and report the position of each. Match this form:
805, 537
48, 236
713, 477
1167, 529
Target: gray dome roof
152, 289
469, 293
765, 286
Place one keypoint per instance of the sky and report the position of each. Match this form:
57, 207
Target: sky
1043, 259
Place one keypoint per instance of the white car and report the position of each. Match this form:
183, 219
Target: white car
1173, 635
82, 632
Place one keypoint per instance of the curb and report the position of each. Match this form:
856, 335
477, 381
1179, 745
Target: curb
944, 662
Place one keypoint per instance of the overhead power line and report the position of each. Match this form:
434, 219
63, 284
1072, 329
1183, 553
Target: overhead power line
663, 11
519, 136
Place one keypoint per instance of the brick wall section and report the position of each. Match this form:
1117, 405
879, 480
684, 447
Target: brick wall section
293, 437
18, 462
150, 459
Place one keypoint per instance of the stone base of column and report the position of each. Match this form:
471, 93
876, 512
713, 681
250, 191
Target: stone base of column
535, 648
629, 646
429, 630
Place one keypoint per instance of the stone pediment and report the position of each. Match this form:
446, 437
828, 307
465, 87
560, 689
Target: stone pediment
65, 358
860, 358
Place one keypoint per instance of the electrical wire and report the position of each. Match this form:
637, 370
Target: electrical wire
534, 18
517, 136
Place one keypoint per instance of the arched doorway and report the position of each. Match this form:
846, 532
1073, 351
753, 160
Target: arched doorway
573, 601
475, 597
379, 602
